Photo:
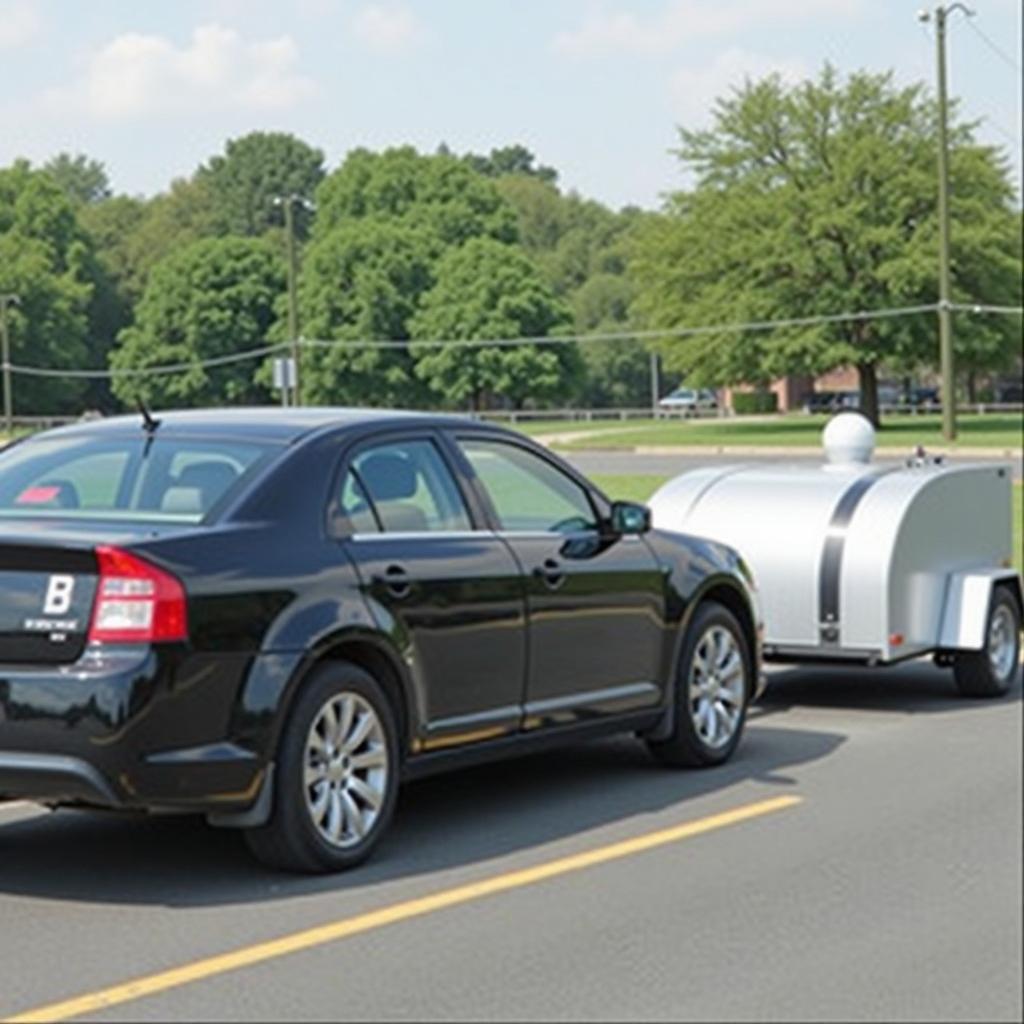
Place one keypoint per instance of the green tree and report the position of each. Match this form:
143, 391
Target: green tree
617, 372
142, 233
816, 199
213, 298
489, 290
583, 248
514, 160
83, 180
252, 171
47, 261
384, 221
438, 193
362, 282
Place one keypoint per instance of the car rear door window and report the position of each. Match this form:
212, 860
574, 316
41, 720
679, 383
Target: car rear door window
527, 492
402, 487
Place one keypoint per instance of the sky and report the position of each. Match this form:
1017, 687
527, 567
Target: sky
595, 88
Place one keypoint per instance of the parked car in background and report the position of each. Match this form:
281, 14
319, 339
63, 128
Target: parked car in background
1011, 393
689, 400
831, 401
923, 396
271, 617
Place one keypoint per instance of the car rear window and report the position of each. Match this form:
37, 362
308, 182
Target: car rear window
163, 480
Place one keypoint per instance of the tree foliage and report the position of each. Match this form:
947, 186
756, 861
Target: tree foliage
363, 282
815, 199
47, 261
252, 171
582, 248
515, 159
487, 289
439, 194
213, 298
83, 180
384, 223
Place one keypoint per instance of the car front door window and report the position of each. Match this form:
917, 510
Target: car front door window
528, 493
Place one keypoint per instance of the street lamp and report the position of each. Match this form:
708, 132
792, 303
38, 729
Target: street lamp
945, 312
7, 300
289, 203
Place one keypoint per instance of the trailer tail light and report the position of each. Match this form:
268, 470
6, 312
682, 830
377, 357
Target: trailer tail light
896, 639
136, 603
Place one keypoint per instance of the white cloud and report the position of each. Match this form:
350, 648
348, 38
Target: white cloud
19, 23
694, 90
386, 28
604, 32
136, 75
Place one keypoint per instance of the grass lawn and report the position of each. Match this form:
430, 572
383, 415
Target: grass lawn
640, 488
798, 430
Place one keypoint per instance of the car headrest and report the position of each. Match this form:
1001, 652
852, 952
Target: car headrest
182, 501
388, 477
211, 479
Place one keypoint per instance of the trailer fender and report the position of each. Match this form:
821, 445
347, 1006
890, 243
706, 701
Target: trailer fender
968, 598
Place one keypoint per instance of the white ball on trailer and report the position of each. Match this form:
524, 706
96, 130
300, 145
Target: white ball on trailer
848, 438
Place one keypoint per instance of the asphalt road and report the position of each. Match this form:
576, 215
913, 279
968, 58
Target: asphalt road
621, 462
889, 888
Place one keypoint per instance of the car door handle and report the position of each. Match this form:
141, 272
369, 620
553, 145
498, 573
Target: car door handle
396, 580
551, 573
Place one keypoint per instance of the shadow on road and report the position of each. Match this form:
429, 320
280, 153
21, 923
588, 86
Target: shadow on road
463, 819
457, 820
916, 687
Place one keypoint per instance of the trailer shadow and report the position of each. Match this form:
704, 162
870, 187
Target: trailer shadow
915, 687
459, 820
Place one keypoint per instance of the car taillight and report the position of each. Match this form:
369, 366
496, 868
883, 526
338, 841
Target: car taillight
136, 603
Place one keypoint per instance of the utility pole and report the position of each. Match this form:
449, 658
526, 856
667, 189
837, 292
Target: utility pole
945, 312
289, 203
655, 385
7, 300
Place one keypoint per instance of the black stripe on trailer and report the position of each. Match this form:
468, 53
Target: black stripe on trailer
829, 577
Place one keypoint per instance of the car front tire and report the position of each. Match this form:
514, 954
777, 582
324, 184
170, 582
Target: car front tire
713, 687
337, 775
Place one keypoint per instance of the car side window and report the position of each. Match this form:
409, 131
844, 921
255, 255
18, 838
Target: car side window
356, 507
402, 487
528, 492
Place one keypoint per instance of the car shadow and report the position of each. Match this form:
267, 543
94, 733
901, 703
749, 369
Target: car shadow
461, 819
913, 687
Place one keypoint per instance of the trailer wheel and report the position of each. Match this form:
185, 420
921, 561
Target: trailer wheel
990, 671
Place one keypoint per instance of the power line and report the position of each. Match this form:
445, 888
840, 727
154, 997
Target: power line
151, 371
993, 46
564, 339
644, 335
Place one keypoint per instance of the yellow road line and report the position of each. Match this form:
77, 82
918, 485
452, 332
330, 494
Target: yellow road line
151, 984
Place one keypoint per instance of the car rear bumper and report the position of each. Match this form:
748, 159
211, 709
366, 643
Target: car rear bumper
137, 728
53, 778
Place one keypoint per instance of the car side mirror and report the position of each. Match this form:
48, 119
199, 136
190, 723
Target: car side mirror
629, 518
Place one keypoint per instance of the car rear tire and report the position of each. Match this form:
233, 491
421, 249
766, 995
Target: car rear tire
713, 686
990, 672
336, 777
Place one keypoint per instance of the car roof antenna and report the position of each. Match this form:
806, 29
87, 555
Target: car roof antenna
149, 424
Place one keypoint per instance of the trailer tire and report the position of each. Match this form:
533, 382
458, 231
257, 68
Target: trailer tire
991, 671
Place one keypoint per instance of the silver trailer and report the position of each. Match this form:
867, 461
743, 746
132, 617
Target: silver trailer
861, 563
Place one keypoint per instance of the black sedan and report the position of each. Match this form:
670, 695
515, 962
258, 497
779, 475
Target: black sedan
272, 617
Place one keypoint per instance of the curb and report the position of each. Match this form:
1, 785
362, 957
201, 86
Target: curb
807, 451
